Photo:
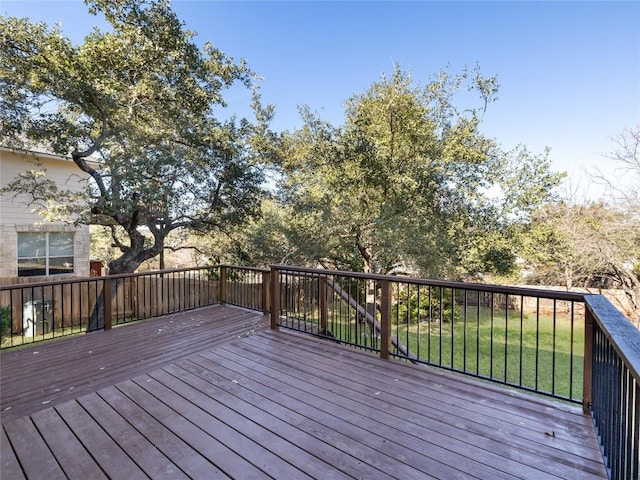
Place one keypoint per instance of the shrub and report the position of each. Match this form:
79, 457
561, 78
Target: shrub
5, 320
414, 304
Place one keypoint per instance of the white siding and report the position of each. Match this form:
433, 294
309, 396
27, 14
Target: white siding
17, 216
16, 210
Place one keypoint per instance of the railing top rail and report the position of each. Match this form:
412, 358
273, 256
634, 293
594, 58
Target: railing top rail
70, 279
482, 287
623, 336
253, 269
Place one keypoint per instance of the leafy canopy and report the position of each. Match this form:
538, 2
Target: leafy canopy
142, 102
405, 185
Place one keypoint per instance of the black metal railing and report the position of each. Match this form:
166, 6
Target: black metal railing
530, 339
569, 346
33, 312
615, 387
152, 294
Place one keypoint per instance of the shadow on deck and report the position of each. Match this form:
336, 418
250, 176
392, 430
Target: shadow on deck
210, 393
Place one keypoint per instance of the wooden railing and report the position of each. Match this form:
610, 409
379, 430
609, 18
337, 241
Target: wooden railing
530, 339
33, 312
569, 346
614, 390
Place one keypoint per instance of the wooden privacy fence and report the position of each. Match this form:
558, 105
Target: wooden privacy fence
71, 304
39, 311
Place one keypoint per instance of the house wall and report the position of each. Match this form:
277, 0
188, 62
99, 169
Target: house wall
17, 216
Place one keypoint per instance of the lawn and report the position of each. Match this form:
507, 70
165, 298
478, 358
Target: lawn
526, 350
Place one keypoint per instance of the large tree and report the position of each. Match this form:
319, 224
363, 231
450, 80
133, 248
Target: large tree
138, 110
409, 183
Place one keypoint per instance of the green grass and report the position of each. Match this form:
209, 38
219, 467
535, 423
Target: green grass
16, 340
522, 350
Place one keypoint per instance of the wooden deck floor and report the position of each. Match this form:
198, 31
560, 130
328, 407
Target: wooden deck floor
252, 403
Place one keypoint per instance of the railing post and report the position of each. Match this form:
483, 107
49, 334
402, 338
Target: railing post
266, 280
106, 298
322, 303
223, 284
587, 380
385, 320
275, 298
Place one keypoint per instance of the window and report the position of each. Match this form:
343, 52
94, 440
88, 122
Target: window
45, 253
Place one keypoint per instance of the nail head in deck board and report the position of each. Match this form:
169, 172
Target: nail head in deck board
72, 456
36, 459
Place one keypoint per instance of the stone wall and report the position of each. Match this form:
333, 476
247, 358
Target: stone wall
9, 249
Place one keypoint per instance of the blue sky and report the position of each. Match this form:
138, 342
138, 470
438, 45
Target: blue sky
569, 72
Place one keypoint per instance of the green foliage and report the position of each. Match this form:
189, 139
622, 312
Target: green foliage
404, 185
142, 101
414, 304
5, 321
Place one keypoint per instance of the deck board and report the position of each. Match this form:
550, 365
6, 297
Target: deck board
66, 447
212, 394
518, 426
393, 416
67, 368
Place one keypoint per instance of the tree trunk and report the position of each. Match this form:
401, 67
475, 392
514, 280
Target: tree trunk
127, 263
369, 266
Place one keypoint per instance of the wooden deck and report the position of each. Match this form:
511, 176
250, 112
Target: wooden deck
211, 394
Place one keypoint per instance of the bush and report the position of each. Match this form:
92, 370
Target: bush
414, 304
5, 321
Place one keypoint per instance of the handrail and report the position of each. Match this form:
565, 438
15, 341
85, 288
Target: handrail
482, 287
374, 312
614, 401
68, 280
623, 336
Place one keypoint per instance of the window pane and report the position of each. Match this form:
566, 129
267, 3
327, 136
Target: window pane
29, 267
32, 245
60, 244
60, 265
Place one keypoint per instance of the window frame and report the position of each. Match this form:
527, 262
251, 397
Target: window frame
50, 268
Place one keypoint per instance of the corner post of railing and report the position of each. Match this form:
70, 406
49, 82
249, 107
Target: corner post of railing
106, 298
223, 284
385, 319
266, 282
587, 382
322, 303
275, 297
